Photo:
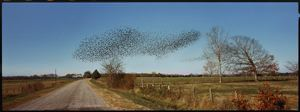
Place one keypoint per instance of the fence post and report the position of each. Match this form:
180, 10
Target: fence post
180, 91
153, 83
161, 83
20, 88
194, 97
235, 94
210, 95
142, 83
159, 86
193, 91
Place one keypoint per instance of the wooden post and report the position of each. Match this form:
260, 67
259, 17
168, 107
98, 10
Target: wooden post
159, 86
235, 94
194, 97
210, 95
142, 83
153, 83
193, 91
180, 92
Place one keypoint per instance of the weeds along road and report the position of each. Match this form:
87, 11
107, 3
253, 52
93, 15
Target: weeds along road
77, 95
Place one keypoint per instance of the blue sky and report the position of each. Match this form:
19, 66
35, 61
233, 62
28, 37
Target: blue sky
39, 37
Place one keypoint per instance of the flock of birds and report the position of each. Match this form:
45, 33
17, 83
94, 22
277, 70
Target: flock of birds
127, 41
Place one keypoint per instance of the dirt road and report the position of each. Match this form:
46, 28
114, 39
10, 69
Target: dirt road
75, 96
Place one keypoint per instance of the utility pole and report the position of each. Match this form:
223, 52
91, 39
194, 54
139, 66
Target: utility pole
55, 76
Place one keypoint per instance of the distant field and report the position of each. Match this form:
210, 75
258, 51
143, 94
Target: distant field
15, 92
193, 92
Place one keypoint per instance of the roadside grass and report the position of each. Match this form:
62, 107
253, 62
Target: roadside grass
136, 98
112, 99
13, 100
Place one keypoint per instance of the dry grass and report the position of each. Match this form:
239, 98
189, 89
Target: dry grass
17, 87
161, 98
221, 92
16, 92
112, 99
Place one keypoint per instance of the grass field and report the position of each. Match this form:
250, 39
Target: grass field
16, 92
193, 92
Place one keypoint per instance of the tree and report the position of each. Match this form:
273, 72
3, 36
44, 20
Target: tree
87, 74
217, 48
114, 69
113, 66
247, 54
210, 67
292, 66
96, 74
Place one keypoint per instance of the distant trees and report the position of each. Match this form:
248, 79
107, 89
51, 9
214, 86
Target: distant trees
96, 74
292, 66
72, 75
87, 74
210, 67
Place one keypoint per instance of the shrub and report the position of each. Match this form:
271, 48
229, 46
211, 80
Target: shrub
121, 80
269, 99
128, 82
227, 104
240, 102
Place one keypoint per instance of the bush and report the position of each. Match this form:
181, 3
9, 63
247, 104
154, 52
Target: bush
269, 99
121, 80
128, 82
240, 102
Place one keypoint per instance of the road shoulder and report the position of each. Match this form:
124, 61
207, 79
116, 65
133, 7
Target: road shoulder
114, 100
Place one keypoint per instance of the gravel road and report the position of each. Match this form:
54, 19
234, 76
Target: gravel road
77, 95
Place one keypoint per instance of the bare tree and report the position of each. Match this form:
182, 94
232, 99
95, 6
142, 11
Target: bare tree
113, 66
292, 66
210, 67
217, 48
248, 55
